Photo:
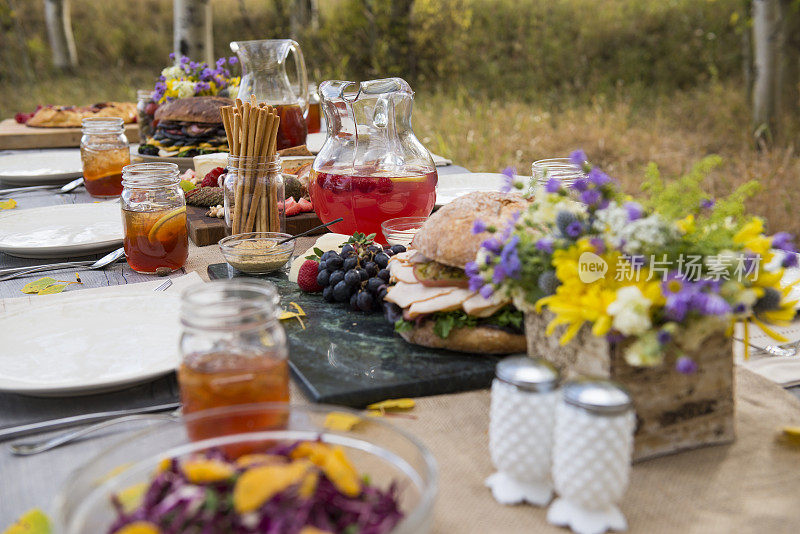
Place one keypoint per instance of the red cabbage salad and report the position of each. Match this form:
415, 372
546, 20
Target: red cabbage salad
308, 487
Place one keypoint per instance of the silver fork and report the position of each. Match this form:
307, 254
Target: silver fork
35, 447
787, 349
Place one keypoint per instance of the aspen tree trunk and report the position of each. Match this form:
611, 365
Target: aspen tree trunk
192, 34
59, 33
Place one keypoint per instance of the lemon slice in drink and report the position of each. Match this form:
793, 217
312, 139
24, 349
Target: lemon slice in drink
168, 224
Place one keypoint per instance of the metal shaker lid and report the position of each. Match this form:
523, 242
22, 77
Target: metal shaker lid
597, 395
529, 374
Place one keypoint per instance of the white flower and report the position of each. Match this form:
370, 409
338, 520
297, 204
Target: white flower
185, 89
650, 233
544, 211
631, 311
645, 351
172, 73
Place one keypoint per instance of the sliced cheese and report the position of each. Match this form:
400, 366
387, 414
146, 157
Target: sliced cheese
205, 163
325, 243
441, 303
404, 294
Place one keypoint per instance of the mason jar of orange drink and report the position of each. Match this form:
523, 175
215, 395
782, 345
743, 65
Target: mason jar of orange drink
154, 218
104, 152
233, 351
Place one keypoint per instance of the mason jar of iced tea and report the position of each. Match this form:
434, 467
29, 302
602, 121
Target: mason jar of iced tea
233, 351
154, 218
104, 152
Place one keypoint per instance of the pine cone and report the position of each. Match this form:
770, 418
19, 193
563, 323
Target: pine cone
204, 196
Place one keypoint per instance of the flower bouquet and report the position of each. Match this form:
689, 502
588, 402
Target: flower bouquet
646, 292
186, 79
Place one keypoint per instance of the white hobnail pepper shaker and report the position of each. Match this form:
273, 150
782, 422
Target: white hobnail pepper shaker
522, 413
592, 449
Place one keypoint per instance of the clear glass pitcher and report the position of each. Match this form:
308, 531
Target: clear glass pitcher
372, 167
264, 75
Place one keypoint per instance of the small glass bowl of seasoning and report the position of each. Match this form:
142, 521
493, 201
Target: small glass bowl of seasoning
257, 252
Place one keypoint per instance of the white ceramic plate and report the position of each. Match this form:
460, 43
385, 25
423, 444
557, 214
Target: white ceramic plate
182, 163
40, 167
452, 186
61, 231
76, 346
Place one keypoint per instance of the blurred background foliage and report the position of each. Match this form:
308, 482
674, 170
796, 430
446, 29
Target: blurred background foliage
498, 82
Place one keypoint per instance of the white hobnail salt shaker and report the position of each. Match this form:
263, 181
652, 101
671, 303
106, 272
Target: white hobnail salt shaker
522, 413
592, 449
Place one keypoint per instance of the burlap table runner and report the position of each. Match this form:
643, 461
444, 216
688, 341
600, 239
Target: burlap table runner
752, 485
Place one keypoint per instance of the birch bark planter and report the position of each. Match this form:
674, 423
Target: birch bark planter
674, 412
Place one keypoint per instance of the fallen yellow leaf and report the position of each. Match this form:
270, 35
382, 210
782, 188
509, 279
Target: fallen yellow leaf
285, 314
9, 204
392, 404
341, 421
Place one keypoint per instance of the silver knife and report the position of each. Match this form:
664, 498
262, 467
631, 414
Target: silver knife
65, 422
46, 267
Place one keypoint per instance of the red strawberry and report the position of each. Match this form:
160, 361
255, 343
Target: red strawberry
212, 178
307, 277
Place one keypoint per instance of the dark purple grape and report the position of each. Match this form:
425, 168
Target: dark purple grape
327, 294
352, 278
350, 263
323, 277
347, 249
341, 292
373, 284
374, 249
364, 301
354, 301
388, 252
329, 254
372, 268
383, 274
381, 259
397, 249
322, 266
382, 293
362, 273
336, 277
335, 262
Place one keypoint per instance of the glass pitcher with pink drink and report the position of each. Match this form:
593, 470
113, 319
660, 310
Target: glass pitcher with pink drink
372, 167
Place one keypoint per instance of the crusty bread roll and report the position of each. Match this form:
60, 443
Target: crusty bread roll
202, 109
479, 340
447, 235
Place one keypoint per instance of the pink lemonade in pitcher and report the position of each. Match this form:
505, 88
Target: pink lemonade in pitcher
366, 200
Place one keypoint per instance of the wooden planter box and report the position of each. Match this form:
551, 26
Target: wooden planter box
674, 412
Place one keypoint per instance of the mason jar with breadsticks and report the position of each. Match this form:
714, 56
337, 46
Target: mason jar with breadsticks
254, 190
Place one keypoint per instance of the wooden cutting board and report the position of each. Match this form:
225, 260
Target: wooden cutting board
208, 230
15, 136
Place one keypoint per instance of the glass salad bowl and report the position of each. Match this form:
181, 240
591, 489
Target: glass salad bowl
381, 454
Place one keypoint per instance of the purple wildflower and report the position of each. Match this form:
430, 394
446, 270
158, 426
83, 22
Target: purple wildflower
598, 244
598, 177
574, 229
486, 291
783, 241
545, 244
233, 60
789, 260
471, 268
220, 62
710, 304
184, 60
590, 197
478, 227
172, 56
509, 174
663, 337
707, 203
553, 185
686, 365
739, 308
499, 274
492, 245
509, 260
578, 158
634, 210
580, 185
475, 283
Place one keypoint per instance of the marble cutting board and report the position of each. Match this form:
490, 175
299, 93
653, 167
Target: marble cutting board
353, 359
